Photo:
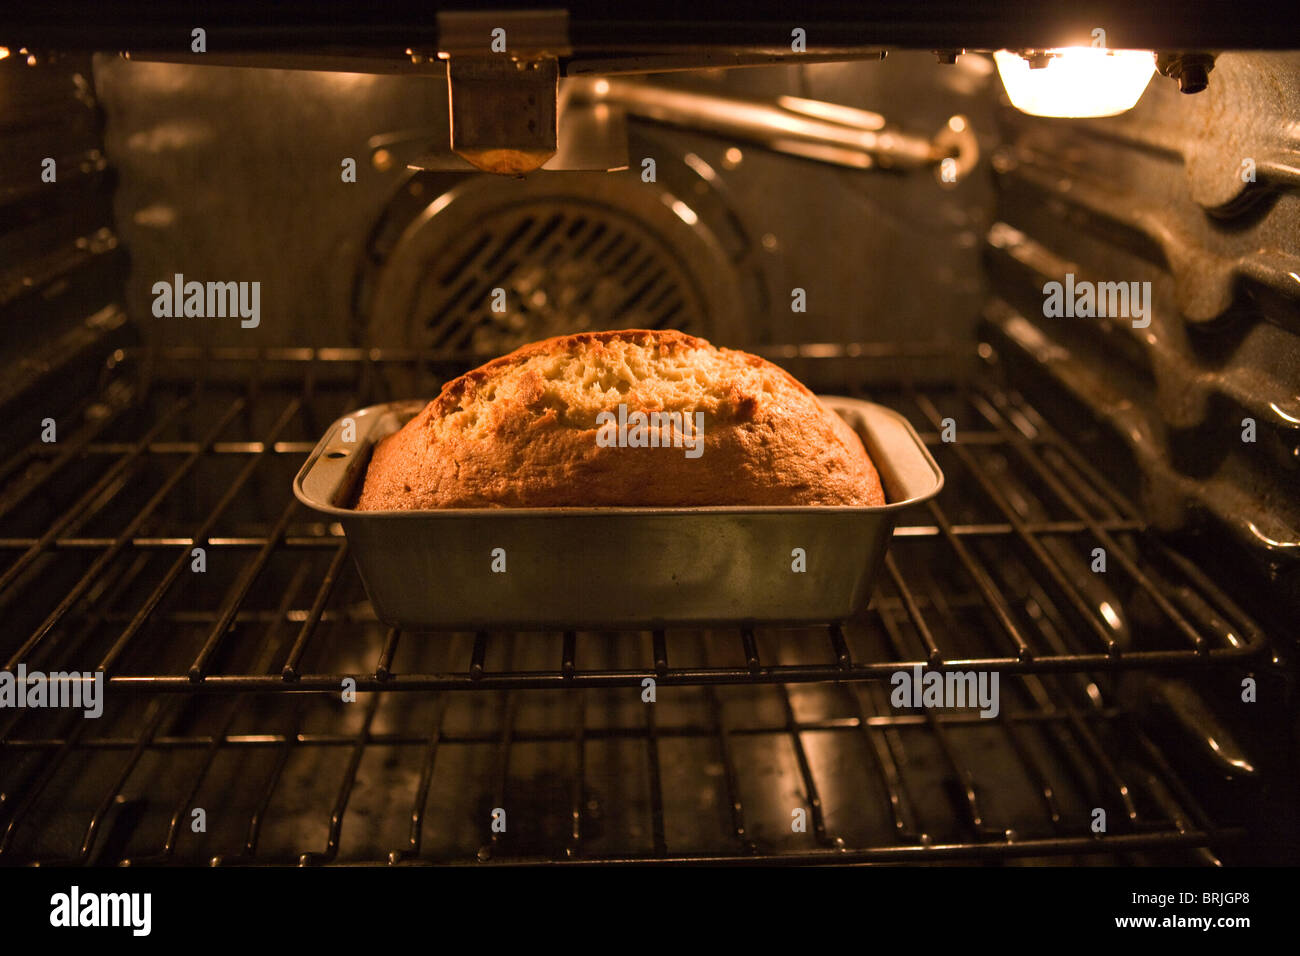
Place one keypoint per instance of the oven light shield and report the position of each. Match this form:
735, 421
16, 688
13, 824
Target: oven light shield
1076, 81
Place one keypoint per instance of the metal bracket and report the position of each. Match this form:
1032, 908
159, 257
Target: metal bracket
503, 75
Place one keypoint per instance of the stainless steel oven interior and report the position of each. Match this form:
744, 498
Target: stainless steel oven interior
1117, 538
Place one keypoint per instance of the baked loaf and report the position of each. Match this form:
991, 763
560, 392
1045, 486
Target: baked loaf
539, 428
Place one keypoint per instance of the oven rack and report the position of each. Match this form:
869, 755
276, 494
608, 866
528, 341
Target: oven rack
224, 687
406, 796
1004, 587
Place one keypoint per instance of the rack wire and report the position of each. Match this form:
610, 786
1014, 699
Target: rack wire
224, 685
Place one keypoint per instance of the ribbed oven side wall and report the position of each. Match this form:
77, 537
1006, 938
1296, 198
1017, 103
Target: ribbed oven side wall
1164, 194
62, 266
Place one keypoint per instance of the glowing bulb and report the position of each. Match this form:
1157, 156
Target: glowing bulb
1077, 81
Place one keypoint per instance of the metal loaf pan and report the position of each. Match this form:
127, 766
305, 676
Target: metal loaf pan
634, 568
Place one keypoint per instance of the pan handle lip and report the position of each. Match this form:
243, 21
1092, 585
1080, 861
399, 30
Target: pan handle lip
330, 464
874, 409
321, 476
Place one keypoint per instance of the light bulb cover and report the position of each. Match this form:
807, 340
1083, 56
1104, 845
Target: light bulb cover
1077, 81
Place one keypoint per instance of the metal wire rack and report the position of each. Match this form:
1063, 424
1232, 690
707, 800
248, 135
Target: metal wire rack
224, 684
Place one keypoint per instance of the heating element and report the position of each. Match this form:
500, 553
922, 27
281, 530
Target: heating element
226, 738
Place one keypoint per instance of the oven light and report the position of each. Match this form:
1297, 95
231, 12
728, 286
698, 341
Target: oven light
1076, 81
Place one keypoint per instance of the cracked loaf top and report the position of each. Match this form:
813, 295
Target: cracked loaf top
628, 418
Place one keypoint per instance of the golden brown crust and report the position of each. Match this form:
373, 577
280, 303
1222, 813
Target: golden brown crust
521, 431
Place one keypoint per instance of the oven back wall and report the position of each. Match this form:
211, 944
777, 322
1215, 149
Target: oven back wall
234, 175
229, 174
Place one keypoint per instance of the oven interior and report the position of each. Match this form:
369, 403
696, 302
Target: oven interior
1122, 690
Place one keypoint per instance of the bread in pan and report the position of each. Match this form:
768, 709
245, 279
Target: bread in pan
630, 418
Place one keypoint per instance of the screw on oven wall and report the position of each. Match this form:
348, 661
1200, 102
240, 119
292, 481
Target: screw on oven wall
798, 820
198, 560
198, 40
798, 300
798, 40
1099, 560
1098, 820
800, 563
648, 688
1248, 690
647, 170
349, 690
498, 560
1248, 430
198, 820
49, 170
349, 174
498, 820
1191, 70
